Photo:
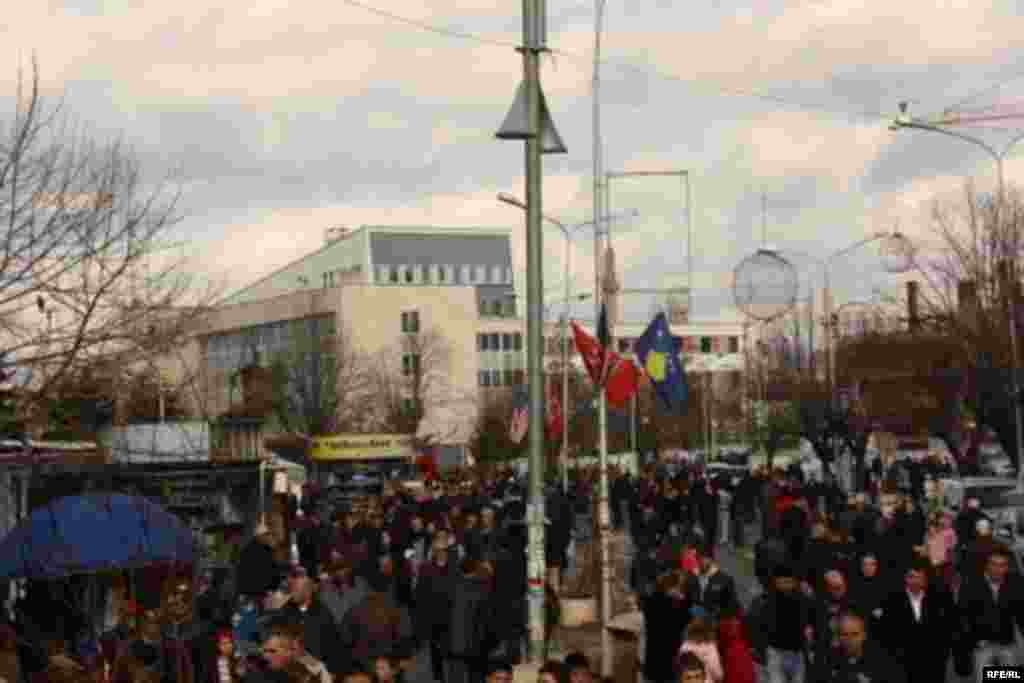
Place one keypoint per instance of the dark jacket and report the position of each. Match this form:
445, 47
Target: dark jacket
258, 572
433, 600
470, 634
777, 621
875, 666
665, 622
719, 594
320, 633
921, 646
376, 627
988, 619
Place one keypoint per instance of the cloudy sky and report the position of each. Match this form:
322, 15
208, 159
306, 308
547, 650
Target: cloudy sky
288, 116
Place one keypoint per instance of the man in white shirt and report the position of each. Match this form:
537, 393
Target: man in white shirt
917, 623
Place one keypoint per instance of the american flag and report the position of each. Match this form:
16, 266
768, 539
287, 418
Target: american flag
520, 420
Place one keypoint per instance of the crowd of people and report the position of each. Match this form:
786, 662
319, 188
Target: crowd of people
884, 588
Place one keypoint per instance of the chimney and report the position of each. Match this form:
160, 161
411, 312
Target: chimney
913, 315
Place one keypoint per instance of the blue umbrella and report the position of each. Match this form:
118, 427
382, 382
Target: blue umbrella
91, 533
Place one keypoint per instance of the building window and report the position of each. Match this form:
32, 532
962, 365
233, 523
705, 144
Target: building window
481, 342
734, 344
485, 378
448, 274
417, 274
517, 341
510, 307
496, 275
408, 406
382, 274
434, 277
406, 274
508, 377
496, 307
410, 322
393, 275
508, 276
705, 344
506, 342
465, 275
494, 341
496, 378
518, 377
484, 308
481, 275
410, 364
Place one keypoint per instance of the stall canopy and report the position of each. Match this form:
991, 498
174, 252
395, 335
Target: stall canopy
91, 533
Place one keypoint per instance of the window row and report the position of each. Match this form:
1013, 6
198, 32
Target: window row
495, 341
498, 307
435, 274
720, 344
501, 378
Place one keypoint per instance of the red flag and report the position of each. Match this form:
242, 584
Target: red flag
591, 352
623, 380
553, 414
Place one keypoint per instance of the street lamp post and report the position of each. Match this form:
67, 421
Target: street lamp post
904, 120
567, 233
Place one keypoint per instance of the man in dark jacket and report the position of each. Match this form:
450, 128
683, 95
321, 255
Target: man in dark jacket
433, 604
257, 571
917, 625
779, 627
320, 633
469, 640
857, 659
990, 606
711, 589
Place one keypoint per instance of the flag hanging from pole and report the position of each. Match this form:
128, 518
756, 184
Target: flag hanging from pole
553, 414
617, 376
519, 422
659, 357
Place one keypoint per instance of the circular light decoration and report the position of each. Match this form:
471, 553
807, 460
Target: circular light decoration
896, 253
765, 285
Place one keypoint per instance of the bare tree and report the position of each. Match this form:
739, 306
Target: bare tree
979, 240
413, 381
85, 266
321, 383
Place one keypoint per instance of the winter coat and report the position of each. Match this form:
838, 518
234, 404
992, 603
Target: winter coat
320, 633
258, 572
433, 602
470, 635
376, 627
737, 659
665, 622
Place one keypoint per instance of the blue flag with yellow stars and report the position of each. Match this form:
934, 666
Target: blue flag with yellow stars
658, 354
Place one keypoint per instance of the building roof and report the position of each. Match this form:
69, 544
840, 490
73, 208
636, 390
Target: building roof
343, 242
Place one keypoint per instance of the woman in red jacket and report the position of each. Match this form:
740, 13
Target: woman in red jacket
737, 660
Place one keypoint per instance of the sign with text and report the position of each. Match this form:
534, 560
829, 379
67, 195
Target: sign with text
362, 447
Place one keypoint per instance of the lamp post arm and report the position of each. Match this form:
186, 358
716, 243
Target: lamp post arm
978, 142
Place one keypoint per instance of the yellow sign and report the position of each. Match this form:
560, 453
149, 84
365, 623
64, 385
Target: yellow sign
362, 447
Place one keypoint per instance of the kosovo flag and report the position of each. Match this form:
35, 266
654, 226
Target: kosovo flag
659, 357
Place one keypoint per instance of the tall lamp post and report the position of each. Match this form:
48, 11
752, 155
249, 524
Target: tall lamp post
528, 120
567, 233
904, 120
